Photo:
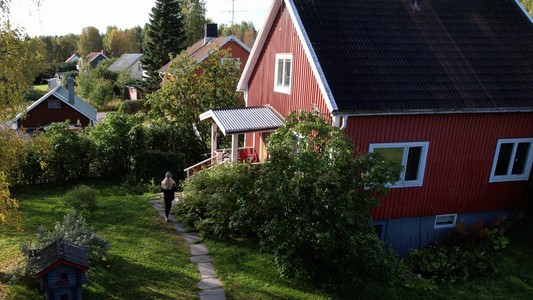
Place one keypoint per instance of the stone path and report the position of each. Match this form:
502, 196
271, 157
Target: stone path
209, 283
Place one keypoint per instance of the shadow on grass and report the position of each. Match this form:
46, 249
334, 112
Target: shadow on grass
124, 279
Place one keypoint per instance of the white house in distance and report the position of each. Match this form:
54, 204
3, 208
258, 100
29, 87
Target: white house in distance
131, 62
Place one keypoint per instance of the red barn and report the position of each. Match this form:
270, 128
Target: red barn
443, 86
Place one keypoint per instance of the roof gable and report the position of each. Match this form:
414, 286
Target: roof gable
200, 49
125, 62
93, 55
61, 93
385, 55
60, 252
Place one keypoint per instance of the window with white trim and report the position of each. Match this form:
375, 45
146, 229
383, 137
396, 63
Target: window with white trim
283, 73
512, 160
412, 156
445, 221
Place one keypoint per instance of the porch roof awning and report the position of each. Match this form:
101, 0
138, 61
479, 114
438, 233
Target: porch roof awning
238, 120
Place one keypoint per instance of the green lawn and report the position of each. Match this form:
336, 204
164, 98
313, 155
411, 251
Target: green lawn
41, 88
148, 260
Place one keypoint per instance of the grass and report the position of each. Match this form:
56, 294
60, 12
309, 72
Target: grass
41, 88
147, 259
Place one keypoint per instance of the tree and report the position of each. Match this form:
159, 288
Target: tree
317, 196
193, 20
245, 32
185, 95
90, 41
166, 39
21, 59
133, 40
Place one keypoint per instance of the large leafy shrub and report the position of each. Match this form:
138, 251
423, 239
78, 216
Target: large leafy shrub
131, 107
220, 200
72, 153
317, 196
115, 144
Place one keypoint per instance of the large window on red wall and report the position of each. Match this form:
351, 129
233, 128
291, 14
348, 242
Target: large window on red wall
512, 160
412, 156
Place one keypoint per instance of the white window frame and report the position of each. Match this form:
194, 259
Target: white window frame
283, 88
438, 226
527, 163
421, 166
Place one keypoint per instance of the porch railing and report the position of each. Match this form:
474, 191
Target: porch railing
222, 156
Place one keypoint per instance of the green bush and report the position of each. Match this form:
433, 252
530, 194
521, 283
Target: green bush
462, 254
74, 229
72, 153
82, 198
220, 200
131, 107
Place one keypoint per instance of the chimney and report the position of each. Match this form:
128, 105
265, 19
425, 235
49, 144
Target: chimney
210, 32
70, 82
104, 52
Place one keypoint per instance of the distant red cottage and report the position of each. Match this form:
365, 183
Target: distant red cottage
198, 51
57, 106
447, 90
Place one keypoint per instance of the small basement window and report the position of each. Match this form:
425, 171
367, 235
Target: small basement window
380, 226
445, 221
54, 104
62, 277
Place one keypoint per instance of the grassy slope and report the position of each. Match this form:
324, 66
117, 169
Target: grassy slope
147, 259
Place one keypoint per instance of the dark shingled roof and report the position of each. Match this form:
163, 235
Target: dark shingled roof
60, 250
450, 54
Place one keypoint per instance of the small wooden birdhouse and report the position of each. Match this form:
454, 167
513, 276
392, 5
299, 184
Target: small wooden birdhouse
61, 267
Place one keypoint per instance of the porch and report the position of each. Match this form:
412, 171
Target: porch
236, 121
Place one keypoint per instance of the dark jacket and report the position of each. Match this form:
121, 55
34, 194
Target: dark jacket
168, 195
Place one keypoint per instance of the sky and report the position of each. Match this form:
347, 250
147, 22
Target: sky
60, 17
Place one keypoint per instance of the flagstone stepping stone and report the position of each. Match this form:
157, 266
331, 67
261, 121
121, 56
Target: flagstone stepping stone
155, 201
179, 227
191, 237
206, 270
216, 294
159, 207
200, 259
198, 249
209, 283
171, 218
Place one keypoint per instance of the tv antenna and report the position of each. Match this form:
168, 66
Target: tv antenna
233, 11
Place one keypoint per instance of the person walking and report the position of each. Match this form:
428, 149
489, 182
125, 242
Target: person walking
168, 187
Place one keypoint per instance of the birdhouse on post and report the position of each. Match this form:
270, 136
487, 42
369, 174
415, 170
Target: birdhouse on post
61, 267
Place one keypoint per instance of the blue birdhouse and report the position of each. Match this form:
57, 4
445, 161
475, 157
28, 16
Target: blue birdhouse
61, 268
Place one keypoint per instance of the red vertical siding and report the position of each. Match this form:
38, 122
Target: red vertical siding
459, 161
305, 91
41, 115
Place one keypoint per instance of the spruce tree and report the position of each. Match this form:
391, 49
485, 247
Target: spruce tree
165, 38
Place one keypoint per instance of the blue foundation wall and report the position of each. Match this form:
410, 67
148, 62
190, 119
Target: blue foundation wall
416, 233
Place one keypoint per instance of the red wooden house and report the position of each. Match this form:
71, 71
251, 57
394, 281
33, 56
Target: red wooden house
56, 106
198, 51
444, 86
